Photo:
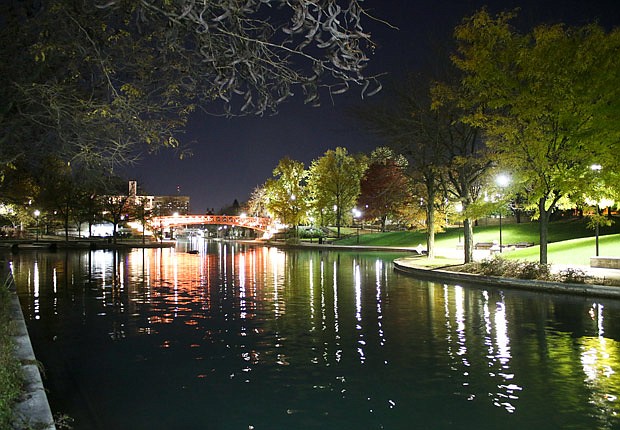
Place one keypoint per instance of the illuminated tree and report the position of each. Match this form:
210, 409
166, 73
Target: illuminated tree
334, 182
60, 191
139, 211
286, 192
385, 186
115, 204
257, 203
468, 160
415, 129
547, 101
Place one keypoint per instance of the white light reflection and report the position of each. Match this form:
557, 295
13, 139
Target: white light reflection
175, 269
379, 273
336, 318
36, 286
499, 354
358, 309
599, 355
278, 261
242, 292
311, 294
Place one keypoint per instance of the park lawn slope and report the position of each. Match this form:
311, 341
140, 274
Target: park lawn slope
511, 233
575, 251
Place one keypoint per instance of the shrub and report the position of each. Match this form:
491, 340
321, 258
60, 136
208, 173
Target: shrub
533, 270
10, 369
498, 266
572, 275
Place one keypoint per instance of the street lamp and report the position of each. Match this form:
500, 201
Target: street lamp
36, 216
502, 180
596, 168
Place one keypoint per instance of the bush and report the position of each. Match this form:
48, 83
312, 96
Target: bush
533, 270
311, 232
10, 369
520, 269
573, 276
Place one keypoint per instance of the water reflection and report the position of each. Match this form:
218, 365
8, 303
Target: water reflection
309, 339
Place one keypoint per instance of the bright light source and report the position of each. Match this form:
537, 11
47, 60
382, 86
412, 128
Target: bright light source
596, 167
502, 180
37, 213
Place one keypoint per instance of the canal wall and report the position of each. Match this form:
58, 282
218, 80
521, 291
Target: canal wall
589, 290
32, 410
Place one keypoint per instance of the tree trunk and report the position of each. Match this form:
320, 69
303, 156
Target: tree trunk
383, 221
468, 240
543, 224
66, 223
338, 221
430, 223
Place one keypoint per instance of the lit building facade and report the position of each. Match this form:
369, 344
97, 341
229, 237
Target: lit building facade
159, 205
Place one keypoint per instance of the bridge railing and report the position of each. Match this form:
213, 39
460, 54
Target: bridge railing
255, 223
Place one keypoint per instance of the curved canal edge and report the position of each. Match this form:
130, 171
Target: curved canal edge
403, 265
33, 409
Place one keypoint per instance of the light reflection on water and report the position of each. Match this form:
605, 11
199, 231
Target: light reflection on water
237, 337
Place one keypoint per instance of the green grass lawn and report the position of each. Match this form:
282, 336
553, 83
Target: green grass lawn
570, 242
574, 251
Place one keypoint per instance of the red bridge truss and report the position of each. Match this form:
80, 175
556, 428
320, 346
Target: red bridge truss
255, 223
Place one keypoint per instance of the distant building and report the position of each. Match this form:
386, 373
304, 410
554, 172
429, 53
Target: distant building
159, 205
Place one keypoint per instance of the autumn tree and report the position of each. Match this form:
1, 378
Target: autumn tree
414, 129
115, 203
140, 211
334, 183
61, 191
384, 187
286, 192
468, 160
257, 203
546, 100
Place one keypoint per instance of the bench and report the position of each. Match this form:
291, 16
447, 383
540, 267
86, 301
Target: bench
522, 244
492, 247
605, 262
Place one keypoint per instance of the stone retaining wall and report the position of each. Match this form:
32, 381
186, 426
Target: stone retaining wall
605, 262
33, 410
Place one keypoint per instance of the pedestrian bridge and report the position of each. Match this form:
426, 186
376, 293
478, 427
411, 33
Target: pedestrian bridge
255, 223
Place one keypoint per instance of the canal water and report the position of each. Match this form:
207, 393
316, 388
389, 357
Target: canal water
239, 337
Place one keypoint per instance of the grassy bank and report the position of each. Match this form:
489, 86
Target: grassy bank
575, 251
571, 242
10, 370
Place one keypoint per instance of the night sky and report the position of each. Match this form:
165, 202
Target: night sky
234, 155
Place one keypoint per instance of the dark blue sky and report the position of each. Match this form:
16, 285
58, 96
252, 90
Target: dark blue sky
233, 156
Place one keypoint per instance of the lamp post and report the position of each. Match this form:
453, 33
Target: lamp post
596, 168
502, 180
36, 216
